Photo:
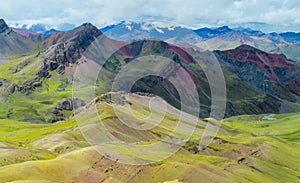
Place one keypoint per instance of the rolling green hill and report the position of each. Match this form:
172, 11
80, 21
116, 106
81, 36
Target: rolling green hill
57, 114
246, 149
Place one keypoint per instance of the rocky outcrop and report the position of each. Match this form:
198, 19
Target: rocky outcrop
112, 97
12, 88
71, 104
27, 87
58, 115
64, 49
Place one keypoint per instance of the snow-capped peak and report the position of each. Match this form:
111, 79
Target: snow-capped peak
153, 25
129, 27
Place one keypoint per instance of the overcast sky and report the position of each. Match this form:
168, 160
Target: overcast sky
268, 15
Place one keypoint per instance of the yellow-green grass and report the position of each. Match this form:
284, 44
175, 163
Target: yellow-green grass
285, 126
243, 151
38, 105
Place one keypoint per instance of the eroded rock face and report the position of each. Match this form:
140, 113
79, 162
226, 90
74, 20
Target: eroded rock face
113, 97
2, 82
27, 87
71, 104
58, 115
67, 48
68, 104
44, 73
12, 88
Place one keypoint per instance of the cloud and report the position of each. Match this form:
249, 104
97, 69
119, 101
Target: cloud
283, 14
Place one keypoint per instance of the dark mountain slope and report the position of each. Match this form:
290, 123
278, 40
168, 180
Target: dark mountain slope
37, 86
12, 43
247, 82
263, 70
257, 82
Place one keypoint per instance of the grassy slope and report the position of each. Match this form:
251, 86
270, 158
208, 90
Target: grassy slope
268, 151
36, 107
39, 105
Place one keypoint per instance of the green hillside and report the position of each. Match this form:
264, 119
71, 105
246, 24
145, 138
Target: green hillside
246, 149
39, 97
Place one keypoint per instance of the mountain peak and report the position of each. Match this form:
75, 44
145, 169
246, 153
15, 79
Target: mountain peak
267, 62
87, 27
85, 33
3, 25
65, 48
224, 28
246, 47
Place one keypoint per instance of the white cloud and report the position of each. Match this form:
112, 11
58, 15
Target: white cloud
193, 13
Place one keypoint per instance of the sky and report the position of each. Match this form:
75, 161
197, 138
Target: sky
265, 15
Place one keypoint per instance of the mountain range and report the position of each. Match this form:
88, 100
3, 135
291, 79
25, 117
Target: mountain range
220, 38
14, 42
243, 151
54, 88
270, 81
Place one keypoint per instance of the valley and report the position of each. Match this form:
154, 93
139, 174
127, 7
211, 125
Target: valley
246, 149
137, 102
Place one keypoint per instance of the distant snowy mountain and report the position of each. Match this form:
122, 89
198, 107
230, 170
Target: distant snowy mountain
50, 32
207, 33
129, 30
144, 30
219, 38
41, 29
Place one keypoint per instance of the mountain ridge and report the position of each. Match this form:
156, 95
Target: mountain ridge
221, 38
12, 43
63, 53
57, 112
